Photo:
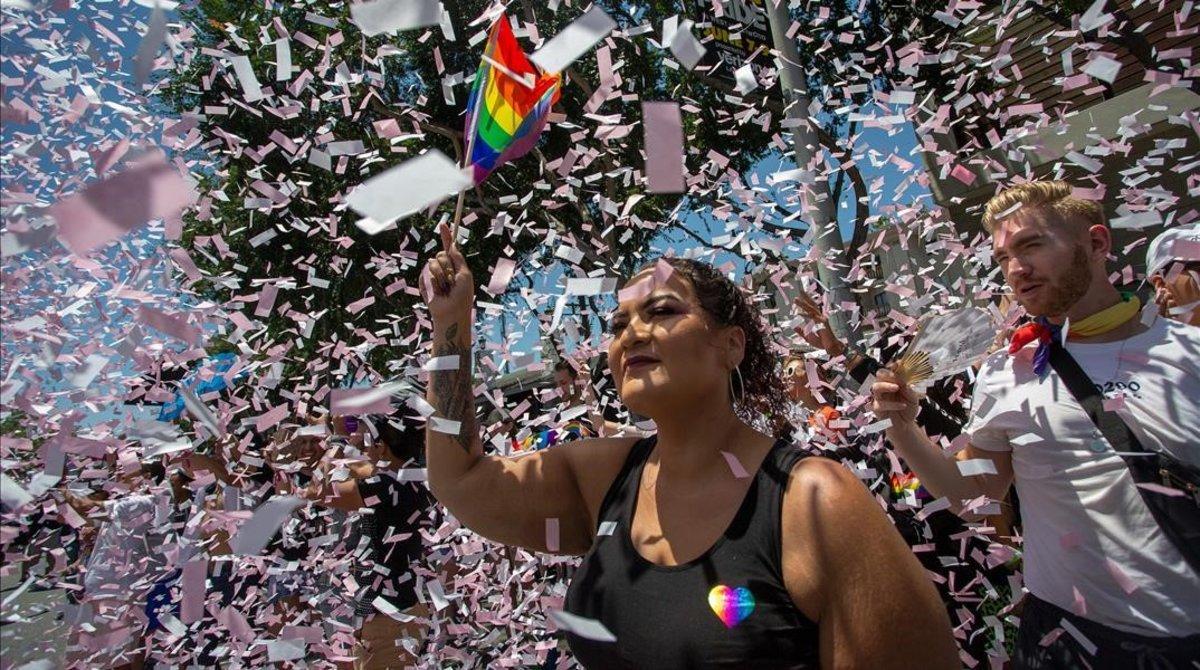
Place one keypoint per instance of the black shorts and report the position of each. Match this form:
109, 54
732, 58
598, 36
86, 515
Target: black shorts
1115, 649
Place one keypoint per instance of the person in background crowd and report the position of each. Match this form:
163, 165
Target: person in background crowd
566, 380
1108, 587
126, 581
939, 416
690, 561
804, 381
392, 621
1173, 267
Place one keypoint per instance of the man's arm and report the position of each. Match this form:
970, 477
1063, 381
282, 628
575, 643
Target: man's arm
939, 473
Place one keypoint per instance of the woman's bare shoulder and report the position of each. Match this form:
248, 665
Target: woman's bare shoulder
815, 478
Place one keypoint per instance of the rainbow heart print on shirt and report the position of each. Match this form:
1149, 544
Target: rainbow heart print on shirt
731, 606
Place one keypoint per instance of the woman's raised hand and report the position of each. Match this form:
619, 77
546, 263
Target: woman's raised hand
446, 283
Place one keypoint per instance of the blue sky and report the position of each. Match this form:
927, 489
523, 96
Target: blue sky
900, 141
524, 332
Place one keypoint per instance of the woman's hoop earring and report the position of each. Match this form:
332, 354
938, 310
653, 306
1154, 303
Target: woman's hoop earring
741, 395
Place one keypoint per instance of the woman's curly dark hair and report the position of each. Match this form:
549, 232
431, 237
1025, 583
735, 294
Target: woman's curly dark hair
763, 398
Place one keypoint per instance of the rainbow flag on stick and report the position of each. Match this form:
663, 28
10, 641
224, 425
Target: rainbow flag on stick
509, 103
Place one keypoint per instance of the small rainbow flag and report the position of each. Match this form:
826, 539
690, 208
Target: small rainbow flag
509, 103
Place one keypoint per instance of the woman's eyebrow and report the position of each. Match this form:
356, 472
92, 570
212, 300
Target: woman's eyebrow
650, 301
655, 298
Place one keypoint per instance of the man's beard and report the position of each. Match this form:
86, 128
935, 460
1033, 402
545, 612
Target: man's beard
1070, 286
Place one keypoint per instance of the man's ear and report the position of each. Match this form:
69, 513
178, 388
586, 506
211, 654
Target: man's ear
1100, 240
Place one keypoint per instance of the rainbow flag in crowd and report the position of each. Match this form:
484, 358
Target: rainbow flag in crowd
902, 484
509, 104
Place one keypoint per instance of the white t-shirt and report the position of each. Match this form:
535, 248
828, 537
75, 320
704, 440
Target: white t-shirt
1091, 545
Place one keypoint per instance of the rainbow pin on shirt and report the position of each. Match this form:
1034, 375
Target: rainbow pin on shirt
731, 606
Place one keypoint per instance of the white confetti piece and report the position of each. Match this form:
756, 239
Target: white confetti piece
12, 494
574, 41
1136, 220
389, 16
437, 595
251, 88
685, 46
281, 650
1103, 68
408, 188
441, 363
591, 285
746, 81
283, 60
581, 626
83, 376
976, 466
389, 609
447, 426
876, 427
255, 533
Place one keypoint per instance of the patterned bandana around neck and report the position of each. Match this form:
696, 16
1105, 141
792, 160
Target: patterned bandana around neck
1097, 324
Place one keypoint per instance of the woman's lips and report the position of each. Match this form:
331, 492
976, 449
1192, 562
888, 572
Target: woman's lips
639, 362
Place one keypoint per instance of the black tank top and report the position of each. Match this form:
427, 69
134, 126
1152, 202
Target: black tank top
728, 608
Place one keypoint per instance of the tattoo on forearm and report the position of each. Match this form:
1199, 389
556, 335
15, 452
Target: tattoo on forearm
452, 388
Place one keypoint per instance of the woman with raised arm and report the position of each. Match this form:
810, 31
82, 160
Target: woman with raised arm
709, 544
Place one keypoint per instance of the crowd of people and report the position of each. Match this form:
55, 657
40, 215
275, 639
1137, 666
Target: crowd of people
741, 512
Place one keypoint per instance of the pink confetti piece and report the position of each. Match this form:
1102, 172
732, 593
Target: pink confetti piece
103, 160
1164, 490
271, 418
194, 594
266, 300
387, 128
501, 276
636, 291
360, 401
107, 209
962, 174
735, 466
171, 324
552, 535
1120, 576
359, 305
1080, 604
1114, 403
664, 147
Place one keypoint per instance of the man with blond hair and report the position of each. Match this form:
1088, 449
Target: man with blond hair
1094, 413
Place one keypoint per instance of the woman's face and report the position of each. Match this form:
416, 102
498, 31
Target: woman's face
795, 374
666, 355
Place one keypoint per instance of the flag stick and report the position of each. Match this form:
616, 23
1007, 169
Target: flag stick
457, 216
